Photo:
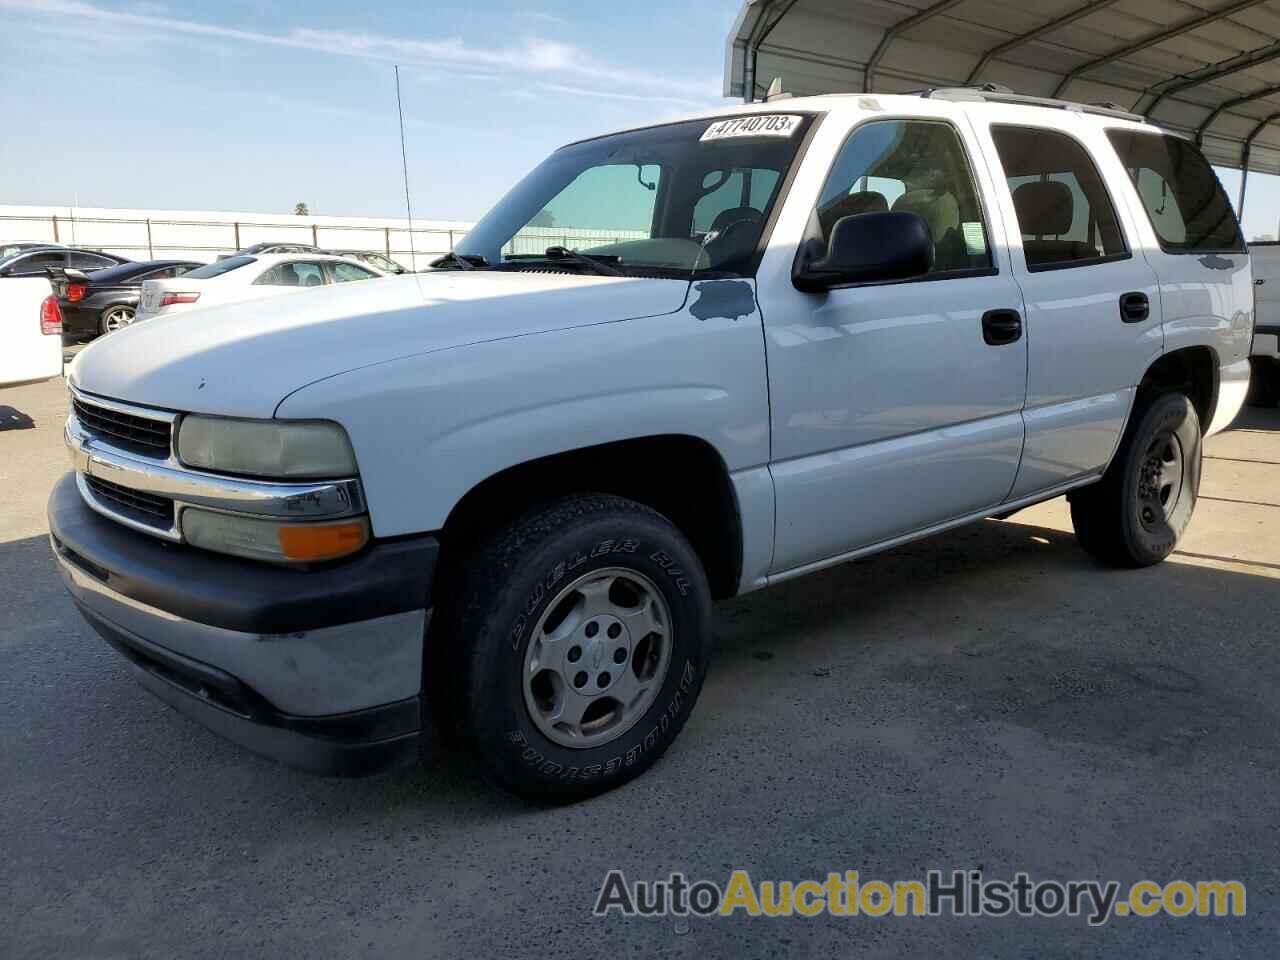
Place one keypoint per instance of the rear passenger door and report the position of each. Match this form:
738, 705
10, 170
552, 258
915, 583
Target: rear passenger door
1092, 306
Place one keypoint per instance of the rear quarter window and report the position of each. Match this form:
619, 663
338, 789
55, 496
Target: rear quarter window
1185, 203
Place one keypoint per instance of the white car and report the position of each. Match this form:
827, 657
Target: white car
30, 330
245, 277
504, 494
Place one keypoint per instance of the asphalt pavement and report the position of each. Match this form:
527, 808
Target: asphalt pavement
989, 699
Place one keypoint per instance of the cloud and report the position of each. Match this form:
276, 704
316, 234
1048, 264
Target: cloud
541, 17
531, 56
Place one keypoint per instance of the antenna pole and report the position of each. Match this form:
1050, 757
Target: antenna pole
404, 162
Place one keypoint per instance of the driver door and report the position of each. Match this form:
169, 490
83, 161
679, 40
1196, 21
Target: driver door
895, 406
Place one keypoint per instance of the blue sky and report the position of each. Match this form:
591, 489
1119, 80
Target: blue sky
255, 106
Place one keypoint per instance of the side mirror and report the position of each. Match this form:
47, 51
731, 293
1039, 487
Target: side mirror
869, 247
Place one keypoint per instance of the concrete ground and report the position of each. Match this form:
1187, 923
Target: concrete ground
987, 699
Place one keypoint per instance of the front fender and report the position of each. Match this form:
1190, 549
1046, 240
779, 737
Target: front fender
427, 429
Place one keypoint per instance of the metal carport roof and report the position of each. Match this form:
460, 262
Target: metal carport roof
1210, 69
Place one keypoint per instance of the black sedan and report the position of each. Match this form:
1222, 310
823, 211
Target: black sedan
36, 261
105, 300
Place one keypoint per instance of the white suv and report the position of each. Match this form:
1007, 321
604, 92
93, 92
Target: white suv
674, 364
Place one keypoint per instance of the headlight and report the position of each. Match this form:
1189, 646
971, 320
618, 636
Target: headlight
266, 448
275, 541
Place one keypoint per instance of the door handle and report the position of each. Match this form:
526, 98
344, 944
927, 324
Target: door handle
1134, 307
1001, 326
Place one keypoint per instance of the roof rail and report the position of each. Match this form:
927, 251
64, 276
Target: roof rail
996, 93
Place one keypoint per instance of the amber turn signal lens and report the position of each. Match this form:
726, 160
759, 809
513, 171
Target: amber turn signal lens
314, 542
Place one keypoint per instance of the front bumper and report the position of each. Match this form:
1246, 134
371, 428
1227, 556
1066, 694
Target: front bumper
320, 669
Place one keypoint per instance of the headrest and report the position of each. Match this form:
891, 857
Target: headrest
851, 205
938, 209
1045, 208
736, 215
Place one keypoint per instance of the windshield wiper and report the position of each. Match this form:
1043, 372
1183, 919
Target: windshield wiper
464, 260
564, 253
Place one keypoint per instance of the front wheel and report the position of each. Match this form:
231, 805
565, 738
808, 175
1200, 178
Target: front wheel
115, 318
1135, 515
582, 640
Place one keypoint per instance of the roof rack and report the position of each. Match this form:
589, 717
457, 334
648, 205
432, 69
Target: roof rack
998, 93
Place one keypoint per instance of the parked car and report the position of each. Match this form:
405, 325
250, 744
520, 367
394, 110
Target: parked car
245, 277
502, 496
106, 300
30, 330
37, 261
269, 247
379, 261
9, 249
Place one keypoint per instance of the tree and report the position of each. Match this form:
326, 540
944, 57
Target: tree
300, 209
543, 218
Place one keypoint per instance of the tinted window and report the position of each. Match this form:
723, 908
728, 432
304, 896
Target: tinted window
164, 273
746, 191
1188, 208
608, 199
219, 267
90, 261
34, 263
345, 272
910, 166
1064, 212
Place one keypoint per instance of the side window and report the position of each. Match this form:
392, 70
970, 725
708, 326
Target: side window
312, 274
911, 166
1064, 213
295, 274
1188, 209
90, 261
346, 272
740, 191
36, 263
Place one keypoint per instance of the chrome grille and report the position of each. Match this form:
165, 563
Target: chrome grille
128, 431
147, 508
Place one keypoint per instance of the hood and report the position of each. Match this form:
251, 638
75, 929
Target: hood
242, 359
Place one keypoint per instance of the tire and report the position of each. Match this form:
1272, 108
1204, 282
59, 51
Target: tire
114, 318
522, 651
1135, 515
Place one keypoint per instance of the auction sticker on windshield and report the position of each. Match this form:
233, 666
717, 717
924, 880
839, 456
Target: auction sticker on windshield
763, 125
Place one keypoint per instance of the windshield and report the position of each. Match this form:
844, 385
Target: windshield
681, 199
218, 267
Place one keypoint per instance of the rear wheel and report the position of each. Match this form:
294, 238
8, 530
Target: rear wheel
1135, 515
115, 318
579, 646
